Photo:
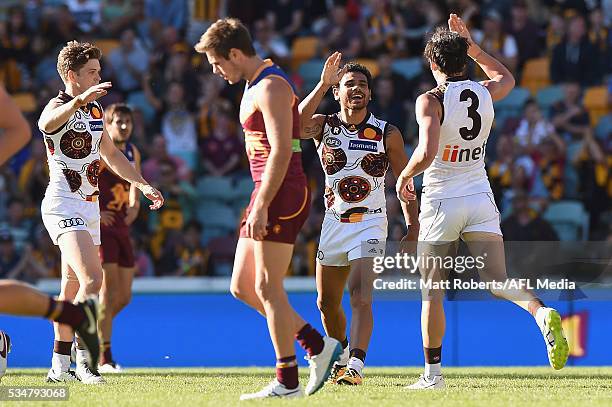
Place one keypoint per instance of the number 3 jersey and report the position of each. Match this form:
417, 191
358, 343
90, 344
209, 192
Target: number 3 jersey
355, 162
459, 166
73, 152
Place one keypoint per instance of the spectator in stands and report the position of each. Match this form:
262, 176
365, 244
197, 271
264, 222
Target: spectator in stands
341, 34
168, 13
385, 71
381, 30
116, 16
179, 69
569, 116
413, 24
34, 174
179, 197
209, 102
222, 152
386, 106
193, 257
525, 224
550, 159
268, 44
86, 14
555, 32
8, 184
46, 255
11, 263
527, 34
599, 35
500, 170
286, 17
177, 123
496, 42
158, 154
533, 129
16, 223
128, 62
575, 59
594, 168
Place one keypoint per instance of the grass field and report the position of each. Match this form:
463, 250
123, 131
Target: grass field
488, 387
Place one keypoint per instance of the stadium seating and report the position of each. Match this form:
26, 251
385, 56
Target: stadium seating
569, 219
604, 127
216, 215
107, 46
310, 72
25, 101
371, 64
215, 188
548, 96
409, 67
511, 106
138, 100
303, 49
596, 102
536, 74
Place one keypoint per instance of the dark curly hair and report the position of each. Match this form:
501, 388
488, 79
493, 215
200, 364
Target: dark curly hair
356, 67
448, 50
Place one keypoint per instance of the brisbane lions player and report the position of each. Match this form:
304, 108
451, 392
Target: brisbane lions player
279, 205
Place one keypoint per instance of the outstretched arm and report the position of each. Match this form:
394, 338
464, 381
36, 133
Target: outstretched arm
312, 124
53, 117
428, 114
16, 130
500, 81
120, 165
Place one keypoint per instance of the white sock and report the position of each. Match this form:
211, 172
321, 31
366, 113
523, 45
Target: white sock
344, 358
357, 364
540, 315
81, 356
60, 363
432, 370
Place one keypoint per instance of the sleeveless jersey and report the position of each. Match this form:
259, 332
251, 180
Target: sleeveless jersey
459, 166
73, 152
115, 191
355, 162
256, 140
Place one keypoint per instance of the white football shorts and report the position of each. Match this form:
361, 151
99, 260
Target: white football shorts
341, 243
61, 215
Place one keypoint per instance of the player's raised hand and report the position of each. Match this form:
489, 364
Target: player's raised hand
154, 195
456, 24
405, 189
94, 93
332, 73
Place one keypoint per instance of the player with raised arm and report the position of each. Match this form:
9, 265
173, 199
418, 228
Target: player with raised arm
279, 205
119, 206
454, 123
355, 149
73, 129
17, 298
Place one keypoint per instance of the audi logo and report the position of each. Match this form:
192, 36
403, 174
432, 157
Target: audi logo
71, 222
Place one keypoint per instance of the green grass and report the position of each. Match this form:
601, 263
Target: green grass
383, 387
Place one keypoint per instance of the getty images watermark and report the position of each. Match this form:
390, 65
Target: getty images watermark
459, 264
478, 271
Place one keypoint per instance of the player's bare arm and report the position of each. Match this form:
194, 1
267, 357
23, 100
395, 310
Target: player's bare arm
274, 101
134, 204
398, 161
55, 116
428, 115
501, 81
114, 158
16, 130
311, 123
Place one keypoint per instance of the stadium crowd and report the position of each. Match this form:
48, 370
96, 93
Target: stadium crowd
548, 157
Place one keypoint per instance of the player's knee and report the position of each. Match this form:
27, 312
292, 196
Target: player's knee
93, 284
360, 297
267, 292
327, 305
